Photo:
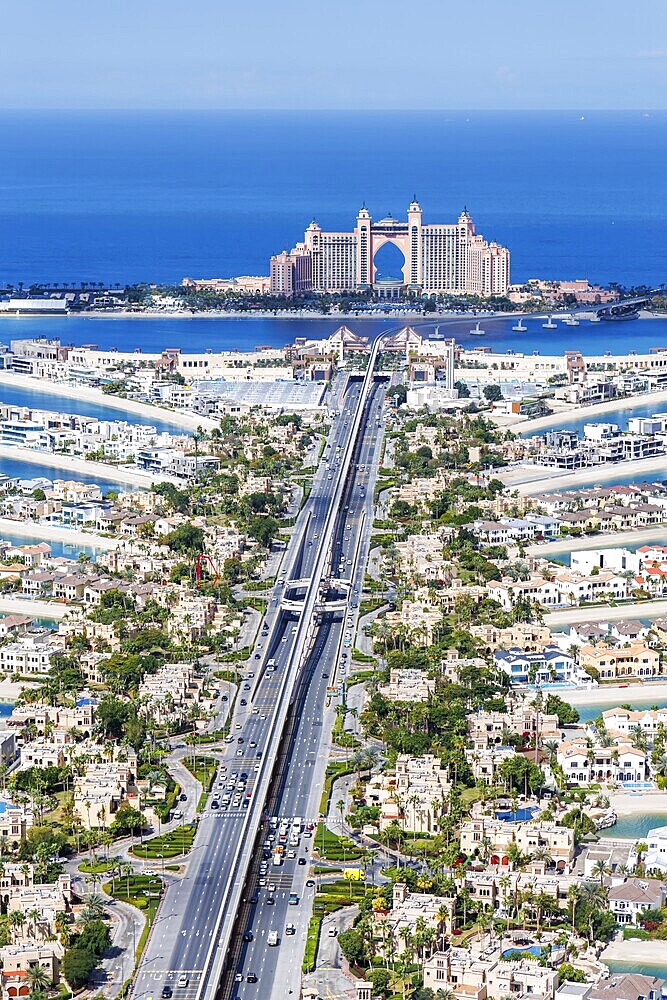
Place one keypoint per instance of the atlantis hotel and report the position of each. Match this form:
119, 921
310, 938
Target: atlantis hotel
448, 259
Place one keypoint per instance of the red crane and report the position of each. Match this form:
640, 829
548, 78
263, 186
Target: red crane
205, 560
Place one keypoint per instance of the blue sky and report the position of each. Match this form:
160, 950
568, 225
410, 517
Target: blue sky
344, 54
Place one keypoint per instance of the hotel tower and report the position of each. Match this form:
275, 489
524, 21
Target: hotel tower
450, 259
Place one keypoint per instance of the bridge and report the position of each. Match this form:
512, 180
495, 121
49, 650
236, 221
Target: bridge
624, 308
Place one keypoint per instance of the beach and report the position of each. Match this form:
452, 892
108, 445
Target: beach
606, 613
532, 480
594, 410
604, 540
604, 694
54, 533
188, 421
37, 608
71, 464
642, 952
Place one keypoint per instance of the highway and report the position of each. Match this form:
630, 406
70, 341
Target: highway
190, 942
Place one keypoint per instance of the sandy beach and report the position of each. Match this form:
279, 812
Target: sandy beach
604, 694
37, 609
148, 413
642, 952
522, 478
592, 412
605, 540
71, 464
53, 533
625, 804
601, 613
10, 690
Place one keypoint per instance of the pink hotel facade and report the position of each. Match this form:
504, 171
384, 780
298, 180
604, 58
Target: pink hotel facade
451, 259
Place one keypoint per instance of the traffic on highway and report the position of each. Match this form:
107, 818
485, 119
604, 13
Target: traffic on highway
235, 925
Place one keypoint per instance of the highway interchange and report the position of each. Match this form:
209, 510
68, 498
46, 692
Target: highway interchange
199, 932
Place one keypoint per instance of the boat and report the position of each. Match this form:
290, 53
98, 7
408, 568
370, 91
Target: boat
520, 327
477, 332
436, 335
571, 321
550, 325
595, 319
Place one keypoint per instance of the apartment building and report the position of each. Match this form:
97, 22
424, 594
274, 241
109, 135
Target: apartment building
413, 795
558, 840
407, 685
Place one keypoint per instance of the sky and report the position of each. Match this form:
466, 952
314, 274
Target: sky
344, 54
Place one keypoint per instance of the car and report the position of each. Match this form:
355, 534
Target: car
240, 740
252, 744
215, 804
258, 755
310, 882
183, 797
238, 726
262, 717
272, 887
243, 701
291, 854
256, 767
251, 977
257, 656
261, 883
325, 677
225, 697
167, 992
183, 981
284, 639
229, 738
255, 711
259, 645
303, 861
239, 752
243, 775
269, 900
290, 929
310, 826
238, 978
332, 932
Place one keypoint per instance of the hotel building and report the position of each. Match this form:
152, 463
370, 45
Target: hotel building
450, 259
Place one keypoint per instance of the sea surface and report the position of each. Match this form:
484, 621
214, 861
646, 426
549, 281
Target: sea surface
122, 196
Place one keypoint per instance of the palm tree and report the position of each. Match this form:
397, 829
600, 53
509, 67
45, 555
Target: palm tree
573, 899
39, 978
16, 919
601, 868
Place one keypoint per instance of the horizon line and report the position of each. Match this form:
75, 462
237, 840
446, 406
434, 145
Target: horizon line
336, 110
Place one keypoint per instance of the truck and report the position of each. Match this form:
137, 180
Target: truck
278, 858
295, 832
272, 939
293, 899
353, 874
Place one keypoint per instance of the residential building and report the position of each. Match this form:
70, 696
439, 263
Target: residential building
583, 763
550, 665
637, 659
407, 685
629, 898
414, 794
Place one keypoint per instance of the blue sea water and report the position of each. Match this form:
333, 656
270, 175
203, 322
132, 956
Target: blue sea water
122, 196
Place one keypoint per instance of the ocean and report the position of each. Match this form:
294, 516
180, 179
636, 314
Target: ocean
140, 196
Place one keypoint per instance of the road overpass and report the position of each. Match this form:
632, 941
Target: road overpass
195, 926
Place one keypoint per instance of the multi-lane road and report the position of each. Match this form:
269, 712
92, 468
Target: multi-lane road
197, 940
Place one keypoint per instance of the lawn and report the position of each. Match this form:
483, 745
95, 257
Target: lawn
312, 942
331, 847
203, 769
169, 845
142, 891
333, 772
95, 867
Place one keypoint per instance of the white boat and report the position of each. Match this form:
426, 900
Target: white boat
436, 335
550, 325
520, 327
595, 319
571, 321
477, 332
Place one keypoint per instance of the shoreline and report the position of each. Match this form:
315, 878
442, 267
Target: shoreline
180, 418
35, 608
632, 538
605, 613
576, 410
111, 474
603, 695
556, 479
643, 952
55, 533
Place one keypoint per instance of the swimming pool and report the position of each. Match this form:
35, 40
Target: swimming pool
519, 816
